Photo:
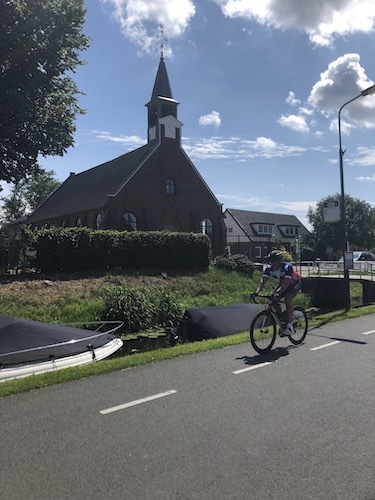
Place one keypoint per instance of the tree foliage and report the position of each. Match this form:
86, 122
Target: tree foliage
40, 43
27, 194
360, 220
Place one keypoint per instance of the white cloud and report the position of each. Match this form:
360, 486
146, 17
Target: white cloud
321, 20
368, 178
130, 141
298, 206
264, 204
343, 80
232, 148
134, 16
212, 119
294, 122
237, 149
364, 158
292, 100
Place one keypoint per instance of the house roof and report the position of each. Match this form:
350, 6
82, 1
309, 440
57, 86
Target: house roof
90, 189
249, 222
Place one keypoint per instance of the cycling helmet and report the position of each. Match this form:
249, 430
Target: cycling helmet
275, 256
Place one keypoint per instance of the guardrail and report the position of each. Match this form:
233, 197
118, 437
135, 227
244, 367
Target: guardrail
361, 270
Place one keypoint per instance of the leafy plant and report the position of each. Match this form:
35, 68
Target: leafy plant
238, 262
133, 306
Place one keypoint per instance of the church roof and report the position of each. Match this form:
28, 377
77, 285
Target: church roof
90, 189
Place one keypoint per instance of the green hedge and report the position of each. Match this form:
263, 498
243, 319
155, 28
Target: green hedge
83, 249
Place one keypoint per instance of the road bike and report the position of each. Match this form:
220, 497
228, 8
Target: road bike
268, 323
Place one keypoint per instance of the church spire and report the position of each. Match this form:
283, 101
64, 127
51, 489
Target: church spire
161, 103
162, 87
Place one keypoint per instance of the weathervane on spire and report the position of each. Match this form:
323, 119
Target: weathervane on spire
162, 38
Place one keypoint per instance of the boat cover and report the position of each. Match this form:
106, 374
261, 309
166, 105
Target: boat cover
25, 341
218, 321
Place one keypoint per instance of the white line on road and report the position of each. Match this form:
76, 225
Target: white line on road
325, 345
368, 333
137, 402
237, 372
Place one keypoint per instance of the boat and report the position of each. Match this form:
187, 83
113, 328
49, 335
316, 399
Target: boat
31, 347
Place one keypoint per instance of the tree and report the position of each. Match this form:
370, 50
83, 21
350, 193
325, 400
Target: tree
27, 194
39, 49
360, 219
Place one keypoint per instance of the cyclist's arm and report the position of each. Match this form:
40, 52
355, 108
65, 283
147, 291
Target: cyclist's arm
261, 284
284, 283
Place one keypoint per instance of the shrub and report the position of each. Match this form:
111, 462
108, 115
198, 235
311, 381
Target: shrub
238, 262
131, 305
224, 262
169, 308
141, 308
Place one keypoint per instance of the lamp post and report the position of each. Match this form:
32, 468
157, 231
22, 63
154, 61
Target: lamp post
368, 91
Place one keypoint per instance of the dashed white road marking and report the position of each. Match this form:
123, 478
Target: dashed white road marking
137, 402
254, 367
368, 333
325, 345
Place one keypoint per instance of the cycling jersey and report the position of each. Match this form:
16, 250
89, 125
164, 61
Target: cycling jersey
285, 271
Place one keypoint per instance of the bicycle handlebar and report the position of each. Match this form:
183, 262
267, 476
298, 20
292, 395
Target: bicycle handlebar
254, 296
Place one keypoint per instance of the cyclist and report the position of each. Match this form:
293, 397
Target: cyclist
289, 284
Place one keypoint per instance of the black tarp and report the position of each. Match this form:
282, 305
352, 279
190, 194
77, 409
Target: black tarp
218, 321
32, 341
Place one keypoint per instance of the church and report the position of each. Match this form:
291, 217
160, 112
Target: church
153, 188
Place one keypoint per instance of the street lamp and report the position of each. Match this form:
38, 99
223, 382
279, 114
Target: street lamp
368, 91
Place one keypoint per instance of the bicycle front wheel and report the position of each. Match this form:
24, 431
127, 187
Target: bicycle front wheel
300, 325
263, 332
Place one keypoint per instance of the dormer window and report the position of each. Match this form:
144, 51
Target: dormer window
265, 228
290, 230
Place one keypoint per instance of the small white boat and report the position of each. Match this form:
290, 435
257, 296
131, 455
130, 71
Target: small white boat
31, 347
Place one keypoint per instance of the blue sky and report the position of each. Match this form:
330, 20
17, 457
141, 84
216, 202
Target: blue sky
259, 82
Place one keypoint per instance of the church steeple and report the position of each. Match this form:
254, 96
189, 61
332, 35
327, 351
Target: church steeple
162, 103
161, 85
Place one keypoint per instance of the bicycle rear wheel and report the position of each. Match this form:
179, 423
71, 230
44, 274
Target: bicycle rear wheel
263, 332
300, 325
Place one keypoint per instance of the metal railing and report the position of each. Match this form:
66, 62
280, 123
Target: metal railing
310, 269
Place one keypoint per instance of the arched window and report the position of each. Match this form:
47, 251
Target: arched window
170, 186
98, 221
130, 221
206, 227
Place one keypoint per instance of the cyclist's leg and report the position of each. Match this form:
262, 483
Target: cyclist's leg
289, 302
288, 296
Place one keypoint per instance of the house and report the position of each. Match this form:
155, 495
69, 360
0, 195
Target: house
153, 188
256, 233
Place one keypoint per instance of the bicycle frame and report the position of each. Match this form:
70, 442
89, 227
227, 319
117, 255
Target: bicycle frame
271, 308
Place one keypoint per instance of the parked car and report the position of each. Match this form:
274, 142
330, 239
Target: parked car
360, 260
361, 256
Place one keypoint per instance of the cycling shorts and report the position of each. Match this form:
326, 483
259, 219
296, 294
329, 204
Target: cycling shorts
293, 288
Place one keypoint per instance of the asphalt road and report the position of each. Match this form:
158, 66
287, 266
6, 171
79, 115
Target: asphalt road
226, 424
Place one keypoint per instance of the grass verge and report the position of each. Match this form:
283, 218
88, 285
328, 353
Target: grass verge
121, 363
